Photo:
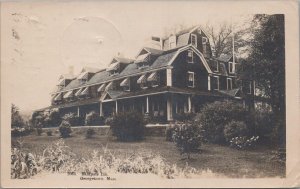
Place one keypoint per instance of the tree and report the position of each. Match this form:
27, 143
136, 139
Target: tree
16, 119
266, 62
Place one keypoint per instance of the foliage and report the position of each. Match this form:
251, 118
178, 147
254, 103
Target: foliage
108, 120
23, 165
263, 123
243, 142
16, 119
185, 116
235, 129
72, 119
52, 118
39, 131
93, 118
90, 133
279, 156
128, 126
266, 63
169, 133
214, 116
187, 137
57, 157
65, 129
49, 133
18, 132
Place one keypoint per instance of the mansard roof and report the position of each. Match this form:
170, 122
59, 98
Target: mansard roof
161, 61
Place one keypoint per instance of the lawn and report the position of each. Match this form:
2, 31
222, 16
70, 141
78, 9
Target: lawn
221, 160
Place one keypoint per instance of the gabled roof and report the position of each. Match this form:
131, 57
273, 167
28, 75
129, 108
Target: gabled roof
222, 69
67, 76
121, 60
150, 50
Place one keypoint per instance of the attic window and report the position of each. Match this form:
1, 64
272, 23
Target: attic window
172, 42
231, 67
142, 81
194, 40
204, 40
154, 79
190, 56
191, 79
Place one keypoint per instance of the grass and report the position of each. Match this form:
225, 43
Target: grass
221, 160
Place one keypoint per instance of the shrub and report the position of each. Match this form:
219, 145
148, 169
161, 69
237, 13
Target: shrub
235, 129
73, 119
214, 116
109, 120
243, 142
169, 133
128, 126
185, 116
39, 131
90, 133
187, 137
65, 129
263, 123
18, 132
93, 118
49, 133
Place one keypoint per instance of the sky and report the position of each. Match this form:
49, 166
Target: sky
41, 40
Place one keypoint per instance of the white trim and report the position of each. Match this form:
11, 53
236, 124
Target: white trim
196, 40
218, 81
169, 77
193, 73
233, 67
206, 40
250, 88
143, 48
229, 79
208, 83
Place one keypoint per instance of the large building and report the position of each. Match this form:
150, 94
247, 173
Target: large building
178, 78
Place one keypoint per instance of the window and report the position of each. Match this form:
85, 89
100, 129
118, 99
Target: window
247, 87
172, 42
229, 83
215, 83
194, 40
190, 56
216, 66
231, 67
154, 79
142, 81
191, 79
125, 84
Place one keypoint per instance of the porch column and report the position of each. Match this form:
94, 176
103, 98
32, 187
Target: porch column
101, 109
189, 104
116, 106
208, 83
78, 111
169, 77
147, 104
169, 109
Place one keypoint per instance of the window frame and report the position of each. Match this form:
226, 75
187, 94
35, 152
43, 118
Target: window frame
194, 35
192, 57
193, 73
229, 79
232, 66
217, 67
218, 81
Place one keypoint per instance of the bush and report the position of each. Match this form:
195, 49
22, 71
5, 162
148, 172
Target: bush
128, 126
235, 129
39, 131
73, 119
187, 137
169, 133
49, 133
263, 123
18, 132
90, 133
214, 116
244, 142
185, 116
65, 129
109, 120
93, 118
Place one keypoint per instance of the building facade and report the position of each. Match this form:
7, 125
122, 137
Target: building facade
179, 77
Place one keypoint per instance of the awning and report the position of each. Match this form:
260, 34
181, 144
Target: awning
125, 82
101, 88
58, 97
152, 77
69, 94
142, 79
85, 91
142, 58
109, 85
113, 66
83, 75
78, 92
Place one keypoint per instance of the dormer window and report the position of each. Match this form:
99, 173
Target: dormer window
231, 67
154, 79
204, 42
194, 40
142, 81
101, 88
190, 56
125, 84
172, 42
113, 68
142, 60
